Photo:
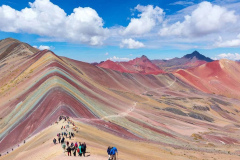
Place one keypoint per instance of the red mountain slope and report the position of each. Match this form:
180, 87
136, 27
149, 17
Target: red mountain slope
139, 65
218, 77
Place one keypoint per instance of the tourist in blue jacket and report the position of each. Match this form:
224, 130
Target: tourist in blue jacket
114, 153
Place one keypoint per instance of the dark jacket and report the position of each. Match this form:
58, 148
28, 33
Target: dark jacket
108, 150
83, 148
69, 149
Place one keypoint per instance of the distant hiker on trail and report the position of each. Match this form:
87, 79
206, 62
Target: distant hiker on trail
74, 149
54, 140
80, 149
114, 153
59, 139
62, 141
24, 141
67, 143
109, 154
63, 146
69, 150
84, 147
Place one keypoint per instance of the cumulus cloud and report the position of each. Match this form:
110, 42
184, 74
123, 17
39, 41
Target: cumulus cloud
42, 47
148, 19
114, 58
205, 19
183, 3
131, 44
47, 19
231, 56
106, 53
229, 43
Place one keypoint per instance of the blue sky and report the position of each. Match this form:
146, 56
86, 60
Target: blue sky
97, 30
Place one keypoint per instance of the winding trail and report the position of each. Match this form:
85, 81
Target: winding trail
129, 110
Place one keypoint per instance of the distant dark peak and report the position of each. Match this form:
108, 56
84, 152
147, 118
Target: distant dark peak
198, 56
144, 57
196, 53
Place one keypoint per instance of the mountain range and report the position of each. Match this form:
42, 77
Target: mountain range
145, 66
146, 109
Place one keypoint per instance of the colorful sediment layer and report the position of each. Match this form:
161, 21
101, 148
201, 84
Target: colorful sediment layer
163, 116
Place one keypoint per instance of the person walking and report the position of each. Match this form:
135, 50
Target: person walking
63, 139
54, 140
114, 153
59, 139
63, 146
80, 149
69, 150
109, 152
74, 149
84, 147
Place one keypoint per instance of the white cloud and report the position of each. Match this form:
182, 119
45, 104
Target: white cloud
106, 53
148, 19
42, 47
183, 3
131, 44
47, 19
204, 20
229, 43
231, 56
114, 58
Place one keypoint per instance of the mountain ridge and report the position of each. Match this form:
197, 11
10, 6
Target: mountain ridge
138, 65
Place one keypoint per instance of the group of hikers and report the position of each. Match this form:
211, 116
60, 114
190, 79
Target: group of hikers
77, 149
